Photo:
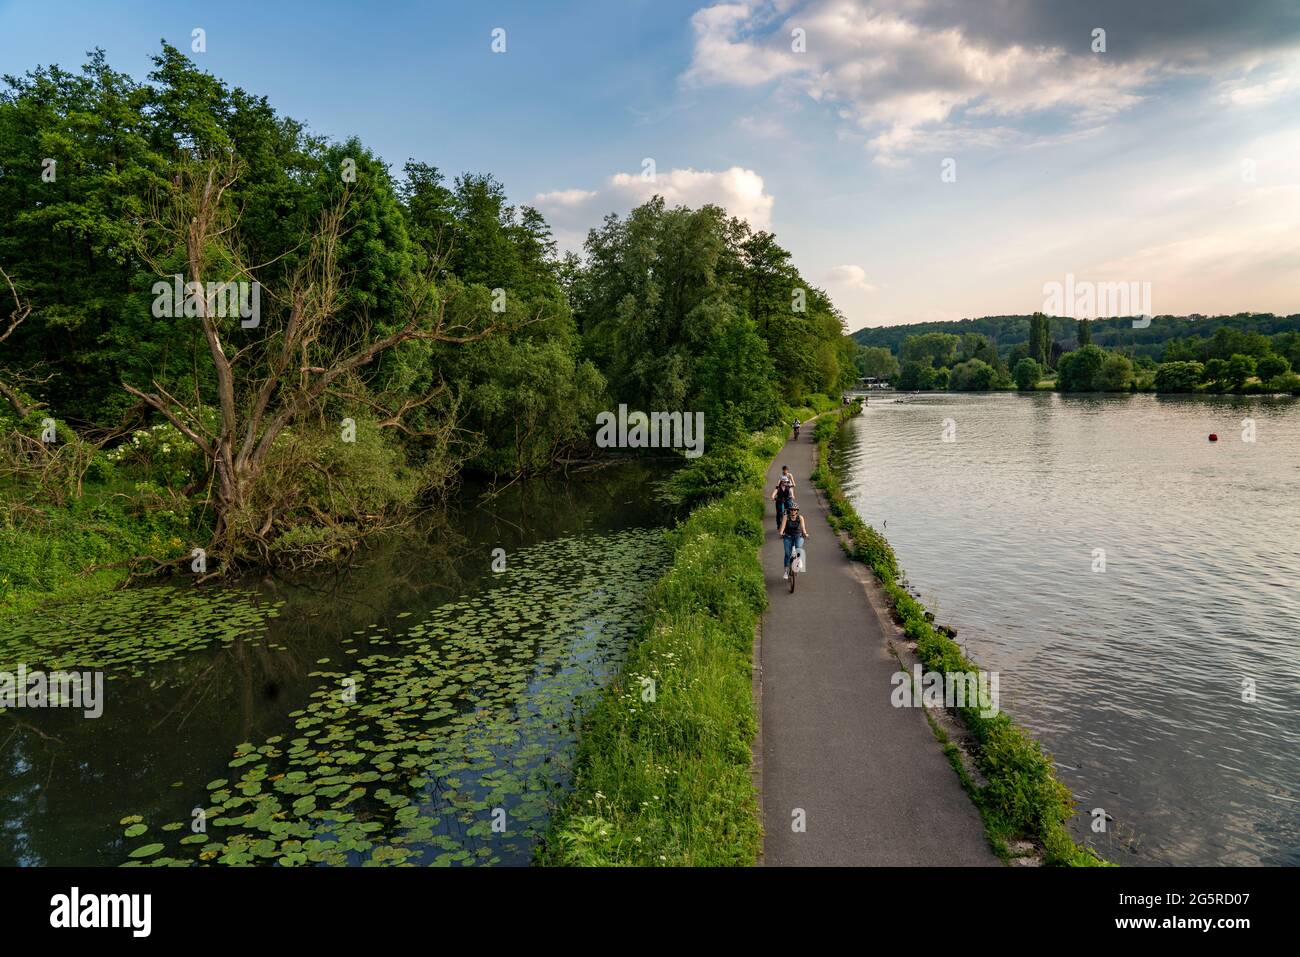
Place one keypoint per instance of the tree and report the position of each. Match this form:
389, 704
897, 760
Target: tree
938, 348
11, 391
1040, 339
876, 362
1173, 377
265, 385
917, 374
1271, 366
973, 375
1240, 368
1214, 371
1115, 374
1078, 371
1027, 373
1084, 332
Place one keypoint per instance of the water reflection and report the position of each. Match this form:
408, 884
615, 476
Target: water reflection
68, 782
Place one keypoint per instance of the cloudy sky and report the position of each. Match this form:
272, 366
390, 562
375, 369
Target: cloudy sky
923, 159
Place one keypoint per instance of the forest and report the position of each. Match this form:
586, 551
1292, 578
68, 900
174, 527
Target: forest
387, 332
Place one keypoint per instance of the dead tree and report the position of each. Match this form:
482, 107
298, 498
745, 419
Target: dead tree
293, 362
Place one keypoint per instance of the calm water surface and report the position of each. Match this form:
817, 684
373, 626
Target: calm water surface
466, 687
1132, 677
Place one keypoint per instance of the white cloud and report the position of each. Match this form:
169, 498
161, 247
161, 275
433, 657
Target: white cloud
895, 79
850, 277
1254, 89
740, 191
564, 197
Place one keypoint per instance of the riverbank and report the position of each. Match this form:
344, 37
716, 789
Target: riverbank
848, 778
662, 775
1022, 799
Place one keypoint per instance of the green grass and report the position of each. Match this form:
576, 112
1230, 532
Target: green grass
1023, 798
58, 553
667, 782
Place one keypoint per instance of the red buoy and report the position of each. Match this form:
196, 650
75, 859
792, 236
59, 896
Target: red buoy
1214, 436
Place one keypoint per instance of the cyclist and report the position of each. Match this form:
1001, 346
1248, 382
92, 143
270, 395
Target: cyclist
793, 533
783, 494
797, 423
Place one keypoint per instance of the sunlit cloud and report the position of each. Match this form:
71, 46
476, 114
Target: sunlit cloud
738, 190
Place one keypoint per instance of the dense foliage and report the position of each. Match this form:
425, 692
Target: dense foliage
431, 322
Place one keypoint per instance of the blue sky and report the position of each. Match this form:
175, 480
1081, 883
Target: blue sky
1171, 157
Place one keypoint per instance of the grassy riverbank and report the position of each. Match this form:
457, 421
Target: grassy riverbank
54, 553
662, 775
1023, 799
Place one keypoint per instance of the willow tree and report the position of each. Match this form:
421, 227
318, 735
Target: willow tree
309, 343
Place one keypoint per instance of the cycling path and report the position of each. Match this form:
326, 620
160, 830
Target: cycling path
872, 781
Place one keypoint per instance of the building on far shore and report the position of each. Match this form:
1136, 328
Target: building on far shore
868, 383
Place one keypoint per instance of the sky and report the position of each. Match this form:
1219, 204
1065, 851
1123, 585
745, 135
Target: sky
922, 159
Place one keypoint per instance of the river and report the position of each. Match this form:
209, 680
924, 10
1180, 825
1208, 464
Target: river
420, 707
1133, 584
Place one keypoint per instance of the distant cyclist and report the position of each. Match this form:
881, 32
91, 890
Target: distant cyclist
797, 423
783, 494
793, 533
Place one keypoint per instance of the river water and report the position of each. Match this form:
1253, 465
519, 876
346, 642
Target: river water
421, 707
1134, 584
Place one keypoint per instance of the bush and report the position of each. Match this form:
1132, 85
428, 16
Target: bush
1078, 371
1178, 376
973, 375
1027, 373
1115, 375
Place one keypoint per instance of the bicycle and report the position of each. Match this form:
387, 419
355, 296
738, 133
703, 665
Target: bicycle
796, 565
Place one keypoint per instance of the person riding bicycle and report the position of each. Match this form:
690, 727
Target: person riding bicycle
793, 533
797, 423
783, 493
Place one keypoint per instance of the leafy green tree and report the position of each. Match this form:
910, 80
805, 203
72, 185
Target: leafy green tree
661, 291
1078, 371
1084, 329
1240, 368
1214, 372
1176, 377
973, 375
938, 348
917, 374
876, 362
1027, 373
1115, 374
1271, 366
1040, 339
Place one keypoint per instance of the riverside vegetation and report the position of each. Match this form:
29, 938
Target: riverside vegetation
414, 337
411, 331
1022, 799
1245, 355
668, 782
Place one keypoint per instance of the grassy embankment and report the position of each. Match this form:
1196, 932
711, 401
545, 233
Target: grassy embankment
667, 781
1023, 799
